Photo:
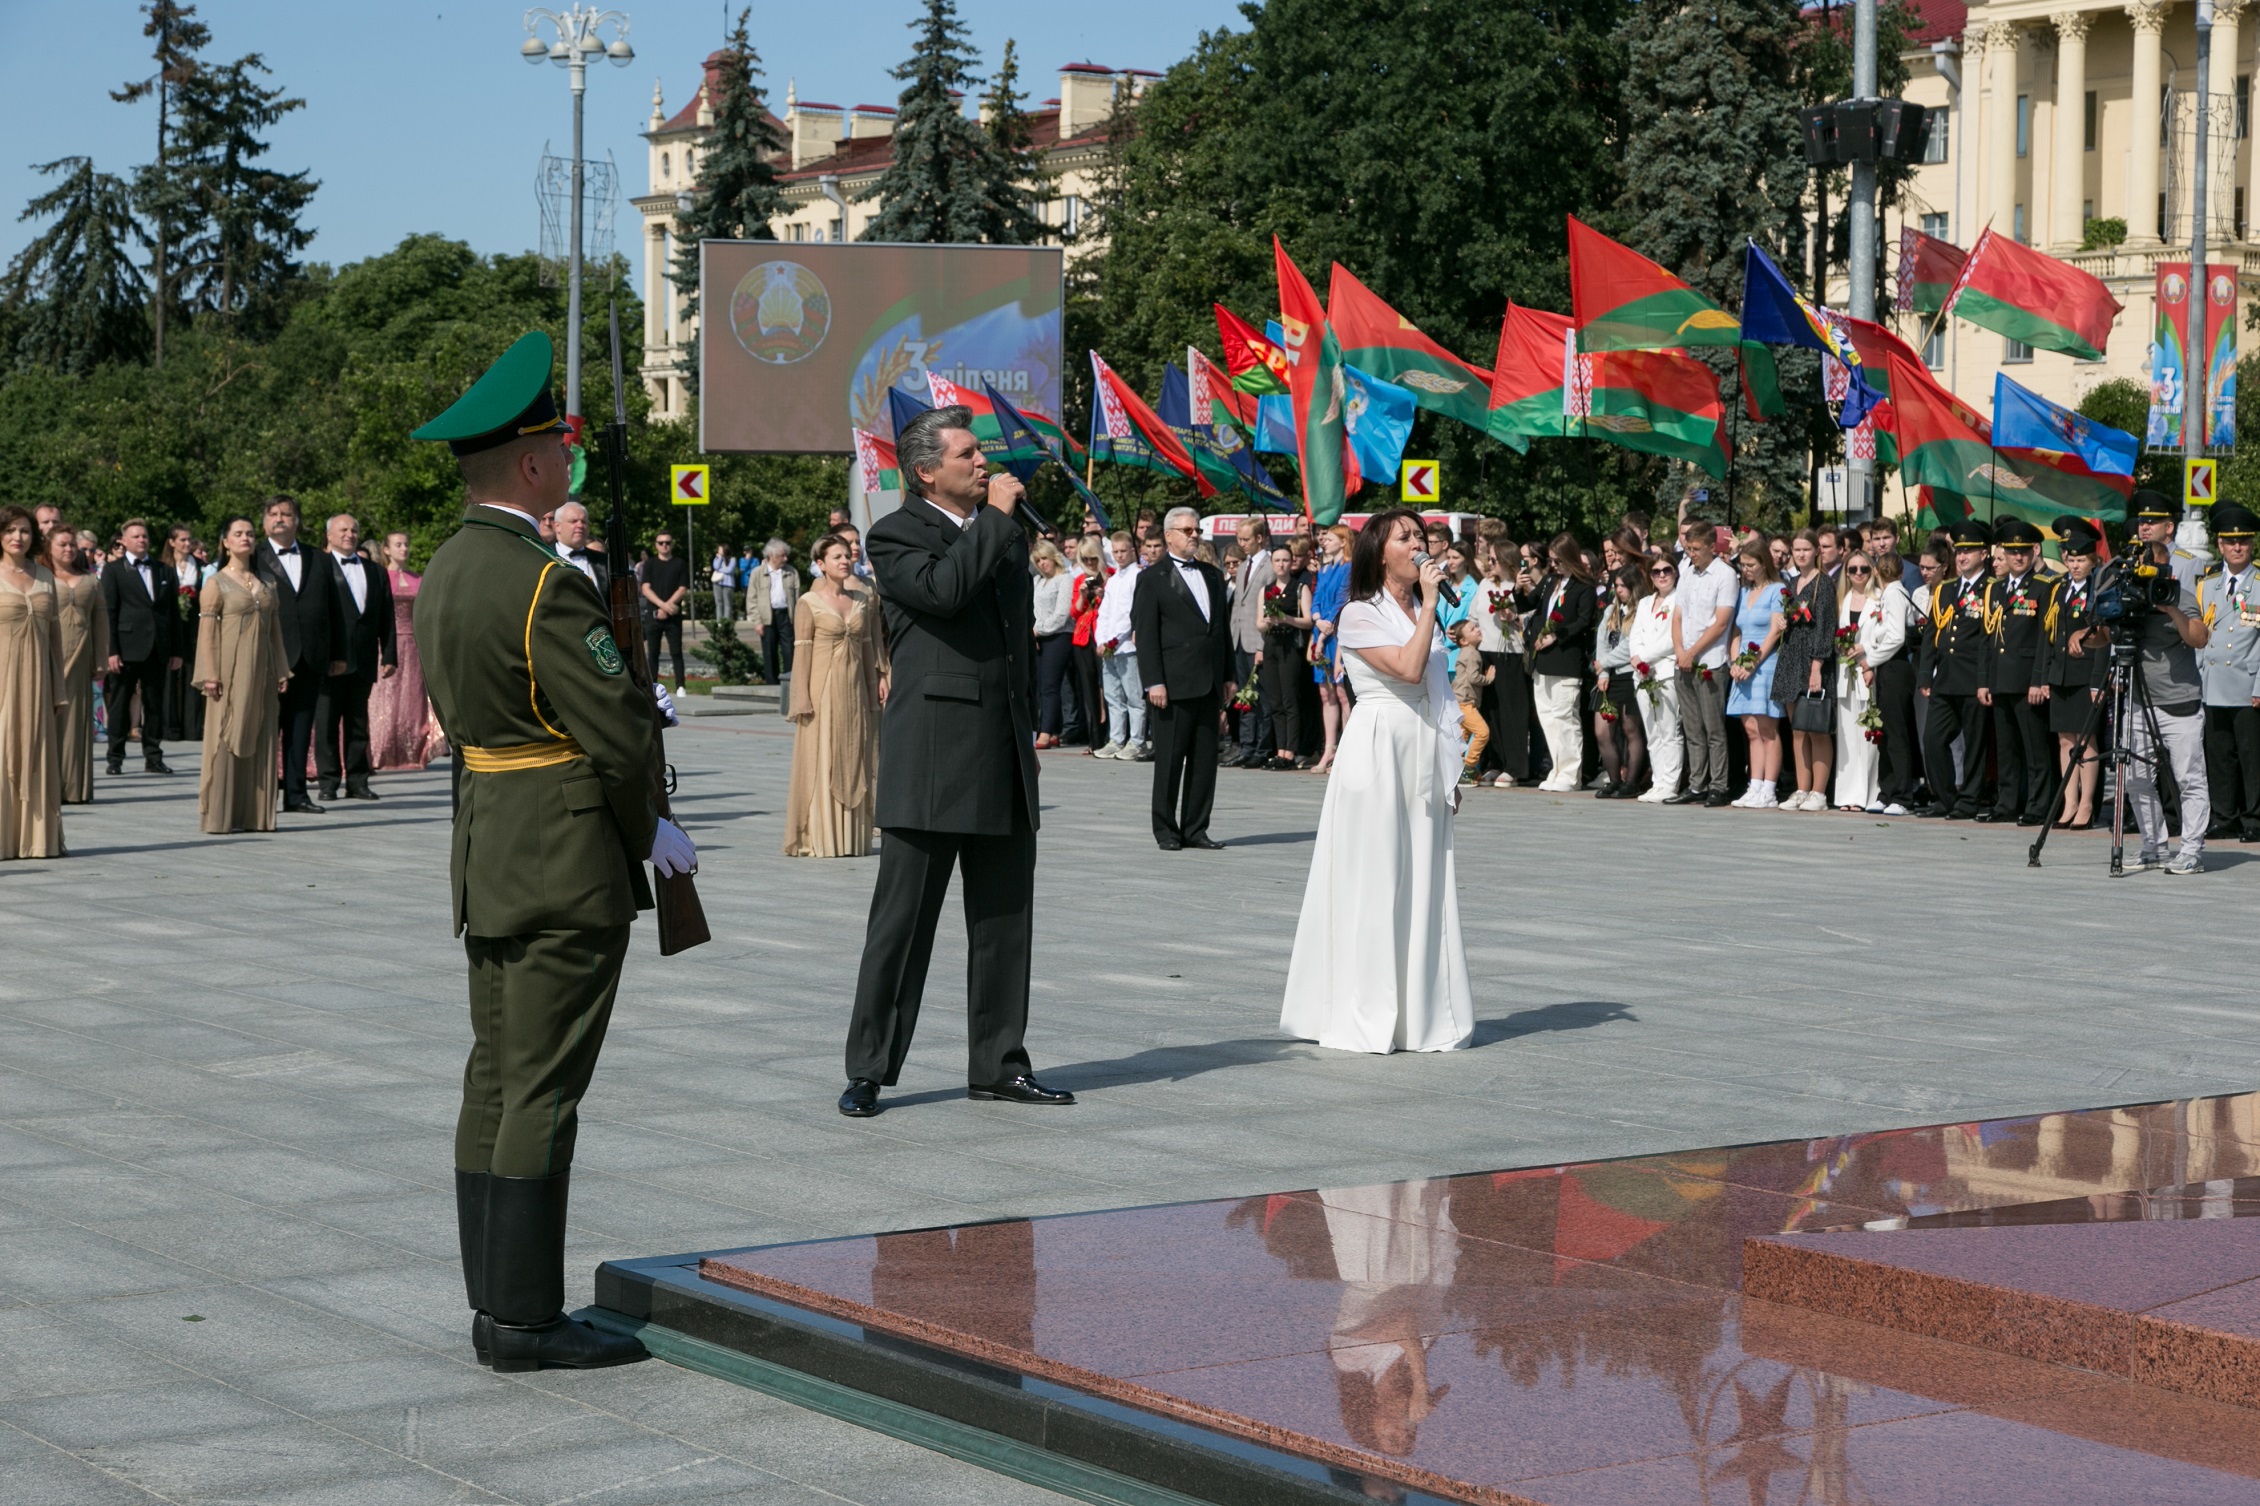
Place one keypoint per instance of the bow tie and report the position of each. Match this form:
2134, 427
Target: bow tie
286, 549
579, 554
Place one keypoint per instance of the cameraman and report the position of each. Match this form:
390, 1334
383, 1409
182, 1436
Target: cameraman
2168, 689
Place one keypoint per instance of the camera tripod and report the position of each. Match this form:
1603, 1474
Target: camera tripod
2126, 694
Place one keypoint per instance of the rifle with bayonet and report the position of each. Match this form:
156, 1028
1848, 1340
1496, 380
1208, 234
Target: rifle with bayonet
682, 919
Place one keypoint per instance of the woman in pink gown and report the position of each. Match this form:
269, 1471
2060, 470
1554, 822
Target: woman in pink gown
403, 732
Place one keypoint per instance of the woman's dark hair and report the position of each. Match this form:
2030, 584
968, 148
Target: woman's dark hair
825, 545
1568, 557
1367, 573
1940, 550
11, 515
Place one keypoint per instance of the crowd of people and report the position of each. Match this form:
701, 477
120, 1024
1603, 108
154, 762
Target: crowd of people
293, 665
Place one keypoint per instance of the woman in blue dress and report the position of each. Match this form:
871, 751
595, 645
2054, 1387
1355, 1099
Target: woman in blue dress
1752, 653
1329, 591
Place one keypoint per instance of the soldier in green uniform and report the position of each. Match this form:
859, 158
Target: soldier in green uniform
2228, 600
555, 816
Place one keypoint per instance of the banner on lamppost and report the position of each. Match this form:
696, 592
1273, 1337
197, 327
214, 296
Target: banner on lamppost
2170, 347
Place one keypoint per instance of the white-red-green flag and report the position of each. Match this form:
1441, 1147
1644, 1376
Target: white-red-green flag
1125, 430
876, 458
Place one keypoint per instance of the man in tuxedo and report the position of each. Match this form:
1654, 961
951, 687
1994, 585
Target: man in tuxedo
313, 629
957, 766
570, 523
367, 650
141, 594
1178, 616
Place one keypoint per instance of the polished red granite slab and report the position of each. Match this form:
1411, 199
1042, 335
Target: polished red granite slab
1579, 1333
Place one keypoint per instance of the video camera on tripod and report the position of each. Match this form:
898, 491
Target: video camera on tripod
2128, 587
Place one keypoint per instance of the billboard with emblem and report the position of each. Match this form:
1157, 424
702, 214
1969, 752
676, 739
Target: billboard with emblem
801, 342
2169, 356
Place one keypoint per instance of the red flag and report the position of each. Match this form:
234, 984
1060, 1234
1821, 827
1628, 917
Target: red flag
1256, 364
2032, 297
1528, 377
1126, 415
1316, 385
1623, 301
1209, 387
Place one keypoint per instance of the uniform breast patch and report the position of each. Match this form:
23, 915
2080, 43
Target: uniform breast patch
604, 651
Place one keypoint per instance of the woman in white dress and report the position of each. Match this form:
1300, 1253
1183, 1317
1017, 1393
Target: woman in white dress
1651, 645
1378, 963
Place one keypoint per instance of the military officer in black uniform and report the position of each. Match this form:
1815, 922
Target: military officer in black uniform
1956, 649
2016, 601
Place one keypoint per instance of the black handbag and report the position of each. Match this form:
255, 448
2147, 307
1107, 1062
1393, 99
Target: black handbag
1814, 711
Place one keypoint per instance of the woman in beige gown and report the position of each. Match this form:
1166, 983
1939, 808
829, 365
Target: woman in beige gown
31, 696
839, 682
85, 643
239, 667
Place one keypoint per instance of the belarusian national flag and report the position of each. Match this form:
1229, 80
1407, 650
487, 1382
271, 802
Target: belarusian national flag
1316, 383
876, 458
1660, 402
1623, 301
1527, 377
1381, 342
1216, 447
1214, 399
1124, 431
1256, 364
2032, 297
1928, 270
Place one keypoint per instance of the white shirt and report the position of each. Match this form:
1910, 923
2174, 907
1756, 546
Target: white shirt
1188, 570
293, 562
356, 578
1053, 603
964, 522
1700, 595
140, 565
1114, 608
780, 579
579, 560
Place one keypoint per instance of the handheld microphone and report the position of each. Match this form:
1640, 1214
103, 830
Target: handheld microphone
1443, 587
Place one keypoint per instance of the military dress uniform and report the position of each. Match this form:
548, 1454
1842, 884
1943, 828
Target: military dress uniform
2229, 666
2073, 680
1957, 651
2014, 608
556, 809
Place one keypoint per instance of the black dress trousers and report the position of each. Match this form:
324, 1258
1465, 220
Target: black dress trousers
342, 715
2232, 764
301, 703
148, 676
1953, 716
1894, 691
2025, 756
1184, 737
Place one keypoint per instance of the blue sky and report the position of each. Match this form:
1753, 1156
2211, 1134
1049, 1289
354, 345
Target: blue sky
422, 117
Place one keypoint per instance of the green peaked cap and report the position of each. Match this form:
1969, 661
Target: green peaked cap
509, 402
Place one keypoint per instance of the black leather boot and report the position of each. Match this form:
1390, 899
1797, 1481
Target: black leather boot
523, 1283
470, 1232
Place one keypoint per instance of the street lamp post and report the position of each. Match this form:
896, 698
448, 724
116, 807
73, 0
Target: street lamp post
575, 40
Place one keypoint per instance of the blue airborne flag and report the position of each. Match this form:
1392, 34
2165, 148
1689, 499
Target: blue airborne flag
2024, 420
1217, 449
1022, 438
1774, 314
903, 406
1379, 421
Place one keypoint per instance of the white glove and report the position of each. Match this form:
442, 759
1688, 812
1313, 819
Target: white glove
672, 852
666, 704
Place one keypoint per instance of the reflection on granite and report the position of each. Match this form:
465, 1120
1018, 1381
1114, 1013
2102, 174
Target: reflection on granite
1577, 1333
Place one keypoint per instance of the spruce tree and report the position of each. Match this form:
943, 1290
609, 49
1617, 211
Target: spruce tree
239, 258
1017, 177
935, 189
178, 37
74, 295
736, 193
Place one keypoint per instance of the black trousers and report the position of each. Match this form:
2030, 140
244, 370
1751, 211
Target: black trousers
148, 676
1053, 651
1285, 673
667, 630
1252, 727
300, 700
2232, 763
1506, 705
2025, 756
1953, 716
341, 743
1184, 738
777, 645
1090, 701
1894, 691
1000, 892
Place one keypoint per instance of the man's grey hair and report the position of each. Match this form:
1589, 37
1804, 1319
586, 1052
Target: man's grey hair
919, 443
567, 507
337, 518
774, 548
1169, 519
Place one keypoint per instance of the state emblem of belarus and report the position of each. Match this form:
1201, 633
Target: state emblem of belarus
780, 312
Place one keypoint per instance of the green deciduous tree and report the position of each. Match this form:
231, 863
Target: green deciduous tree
937, 187
736, 193
74, 295
238, 256
177, 37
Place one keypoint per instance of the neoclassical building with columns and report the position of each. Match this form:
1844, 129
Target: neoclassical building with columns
2060, 113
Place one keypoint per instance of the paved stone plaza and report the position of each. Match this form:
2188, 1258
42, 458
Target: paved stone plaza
228, 1074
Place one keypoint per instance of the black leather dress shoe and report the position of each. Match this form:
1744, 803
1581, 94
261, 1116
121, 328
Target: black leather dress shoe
1022, 1089
1717, 800
1204, 844
861, 1100
1684, 797
562, 1341
2032, 820
2251, 832
360, 794
114, 769
329, 792
1985, 816
1935, 812
482, 1337
304, 807
155, 766
1168, 844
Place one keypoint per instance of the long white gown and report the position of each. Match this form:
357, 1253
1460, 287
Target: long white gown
1378, 963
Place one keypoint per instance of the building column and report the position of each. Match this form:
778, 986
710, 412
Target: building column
2000, 132
2225, 13
654, 268
2149, 19
2068, 185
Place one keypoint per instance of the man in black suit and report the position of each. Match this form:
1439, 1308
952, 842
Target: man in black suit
957, 766
141, 593
313, 631
341, 711
1180, 620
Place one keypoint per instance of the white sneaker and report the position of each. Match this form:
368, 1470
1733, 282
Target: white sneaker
2187, 860
1767, 800
1795, 802
2147, 862
1894, 809
1748, 799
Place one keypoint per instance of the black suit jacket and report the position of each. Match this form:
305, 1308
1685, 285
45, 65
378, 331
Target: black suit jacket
313, 628
144, 624
1176, 649
960, 607
1572, 651
367, 639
